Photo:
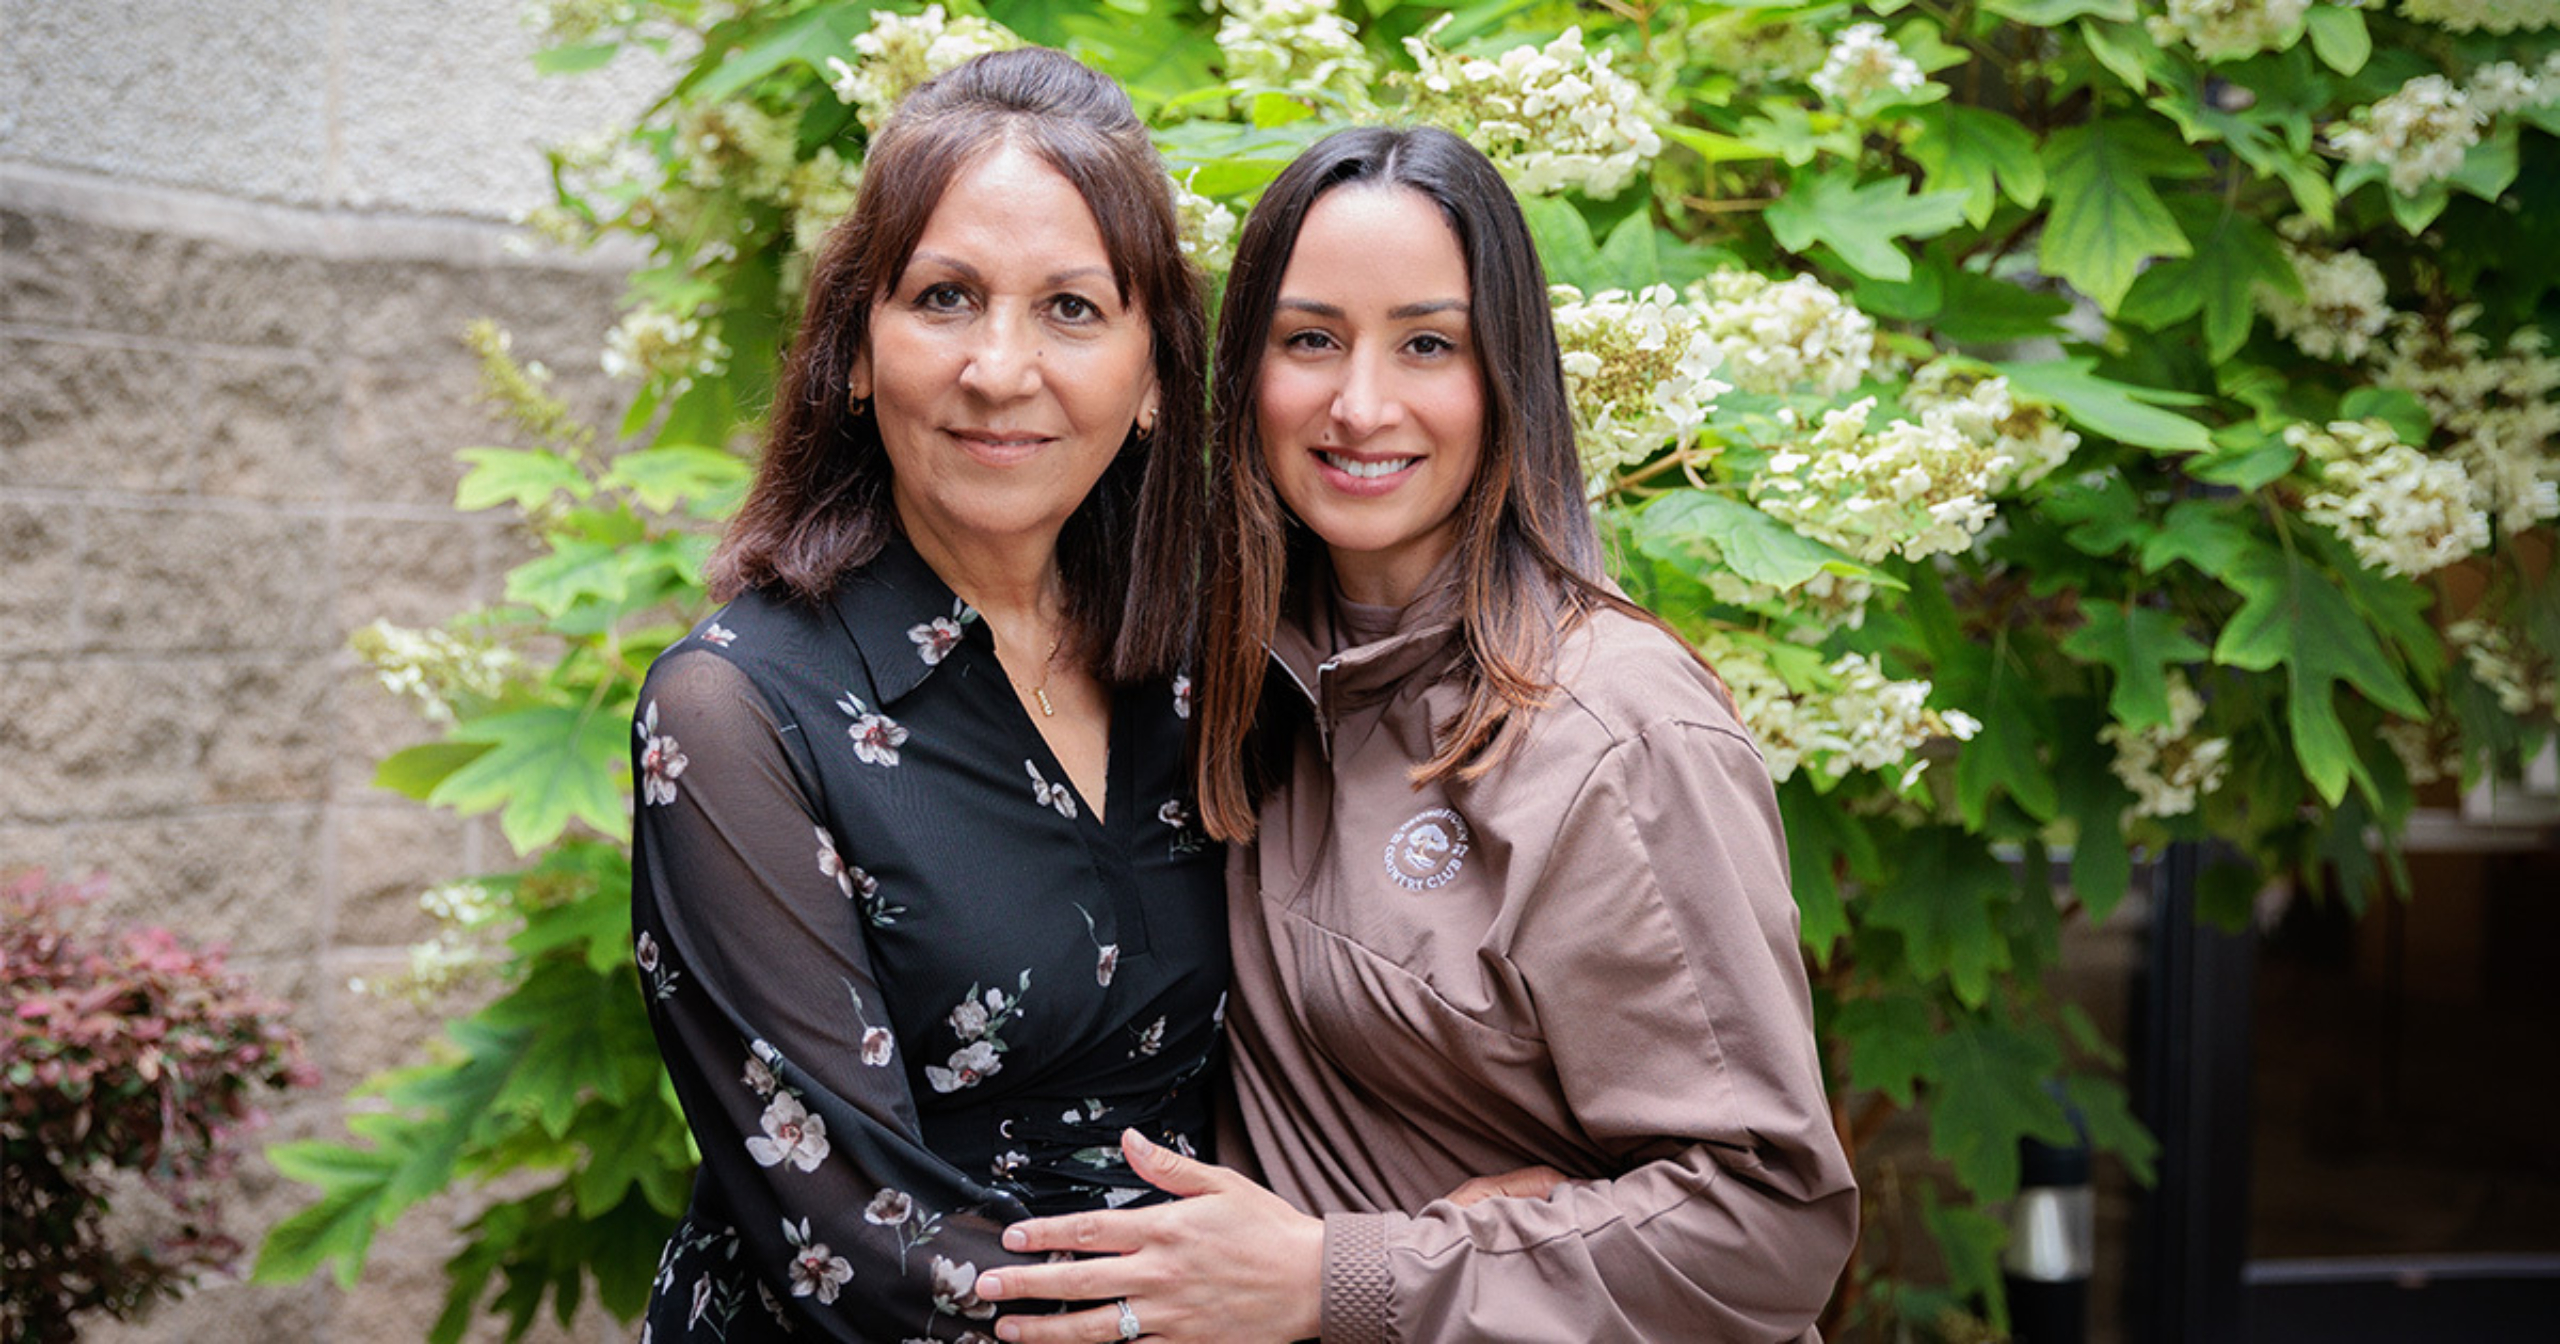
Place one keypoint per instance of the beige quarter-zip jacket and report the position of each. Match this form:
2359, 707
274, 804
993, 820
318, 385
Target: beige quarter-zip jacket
1587, 958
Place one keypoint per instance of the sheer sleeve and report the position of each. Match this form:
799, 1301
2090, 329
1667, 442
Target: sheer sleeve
1673, 997
766, 1005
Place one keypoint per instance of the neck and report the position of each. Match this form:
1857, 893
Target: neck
1007, 579
1383, 578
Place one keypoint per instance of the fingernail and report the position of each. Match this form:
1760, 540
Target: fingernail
990, 1286
1007, 1330
1145, 1145
1015, 1240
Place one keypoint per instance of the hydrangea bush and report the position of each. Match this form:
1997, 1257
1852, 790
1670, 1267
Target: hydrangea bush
2072, 426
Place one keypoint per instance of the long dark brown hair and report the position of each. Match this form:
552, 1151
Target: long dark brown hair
821, 507
1528, 558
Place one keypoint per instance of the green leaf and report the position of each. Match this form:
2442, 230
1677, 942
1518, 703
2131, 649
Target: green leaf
582, 1033
526, 479
1860, 222
2293, 616
575, 572
2126, 51
2095, 800
1940, 903
1980, 153
2054, 13
2104, 514
1969, 1243
2126, 412
2233, 255
2489, 167
575, 59
1565, 245
1821, 838
1632, 254
808, 38
1978, 307
660, 478
2210, 534
2110, 1122
1692, 528
1892, 1044
2106, 220
336, 1228
546, 767
2007, 755
2339, 37
597, 924
2140, 644
1715, 147
1990, 1094
2406, 415
2244, 457
416, 771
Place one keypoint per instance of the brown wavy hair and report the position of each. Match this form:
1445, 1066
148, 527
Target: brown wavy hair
1528, 558
820, 506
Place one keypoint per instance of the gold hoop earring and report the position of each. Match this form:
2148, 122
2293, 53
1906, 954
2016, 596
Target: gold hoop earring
860, 407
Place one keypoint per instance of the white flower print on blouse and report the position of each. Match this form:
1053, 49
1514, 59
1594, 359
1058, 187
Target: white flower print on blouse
876, 737
1151, 1040
662, 978
877, 1044
859, 887
701, 1299
1106, 960
759, 1076
936, 638
815, 1270
1051, 795
899, 1212
773, 1307
979, 1021
661, 760
955, 1290
790, 1135
1181, 695
716, 633
1175, 814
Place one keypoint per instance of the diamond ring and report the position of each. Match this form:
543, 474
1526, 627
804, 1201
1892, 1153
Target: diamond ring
1128, 1320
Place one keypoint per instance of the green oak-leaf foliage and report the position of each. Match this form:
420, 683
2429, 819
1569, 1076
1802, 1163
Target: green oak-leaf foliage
2133, 432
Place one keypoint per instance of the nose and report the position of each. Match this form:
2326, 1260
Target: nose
1367, 400
1004, 359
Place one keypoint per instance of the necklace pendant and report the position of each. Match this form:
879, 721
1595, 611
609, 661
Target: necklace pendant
1041, 694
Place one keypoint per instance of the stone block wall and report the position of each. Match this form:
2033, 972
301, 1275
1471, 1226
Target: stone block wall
226, 440
238, 245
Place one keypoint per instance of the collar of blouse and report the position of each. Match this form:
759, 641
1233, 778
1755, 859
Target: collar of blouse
903, 619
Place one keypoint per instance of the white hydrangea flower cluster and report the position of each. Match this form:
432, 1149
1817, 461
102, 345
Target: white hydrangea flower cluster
1821, 604
1865, 65
1291, 44
1915, 488
2419, 133
2485, 16
1638, 368
433, 666
2522, 680
1551, 118
1784, 335
2502, 87
821, 191
1208, 228
2028, 433
653, 344
1857, 719
736, 145
901, 51
2344, 303
2426, 753
1754, 49
2168, 768
2228, 30
2401, 511
2496, 410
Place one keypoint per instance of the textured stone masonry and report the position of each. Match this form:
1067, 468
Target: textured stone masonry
226, 440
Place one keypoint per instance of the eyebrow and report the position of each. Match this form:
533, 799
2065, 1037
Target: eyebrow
972, 273
1399, 313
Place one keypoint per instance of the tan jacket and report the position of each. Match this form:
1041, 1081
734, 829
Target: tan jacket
1587, 958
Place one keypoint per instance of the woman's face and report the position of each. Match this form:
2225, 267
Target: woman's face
1004, 368
1370, 400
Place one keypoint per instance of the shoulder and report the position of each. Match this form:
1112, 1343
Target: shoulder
1620, 679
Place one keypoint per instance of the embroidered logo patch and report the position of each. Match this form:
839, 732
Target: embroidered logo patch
1426, 852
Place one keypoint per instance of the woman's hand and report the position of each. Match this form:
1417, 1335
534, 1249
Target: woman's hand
1230, 1262
1527, 1183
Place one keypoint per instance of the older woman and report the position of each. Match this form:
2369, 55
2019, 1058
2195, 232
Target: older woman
921, 911
1508, 886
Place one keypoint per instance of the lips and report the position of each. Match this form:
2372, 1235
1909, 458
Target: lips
1366, 468
1001, 446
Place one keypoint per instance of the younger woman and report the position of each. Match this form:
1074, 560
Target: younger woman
1507, 884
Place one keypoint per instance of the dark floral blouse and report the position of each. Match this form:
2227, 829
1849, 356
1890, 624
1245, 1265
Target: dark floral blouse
910, 988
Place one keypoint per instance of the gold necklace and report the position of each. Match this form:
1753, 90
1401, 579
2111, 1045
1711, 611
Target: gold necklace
1048, 666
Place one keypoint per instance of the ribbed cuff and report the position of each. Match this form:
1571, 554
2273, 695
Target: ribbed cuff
1356, 1285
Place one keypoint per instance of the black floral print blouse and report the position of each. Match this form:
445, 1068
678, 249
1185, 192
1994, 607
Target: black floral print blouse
909, 987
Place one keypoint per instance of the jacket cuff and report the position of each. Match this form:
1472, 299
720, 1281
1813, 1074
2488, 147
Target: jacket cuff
1356, 1284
